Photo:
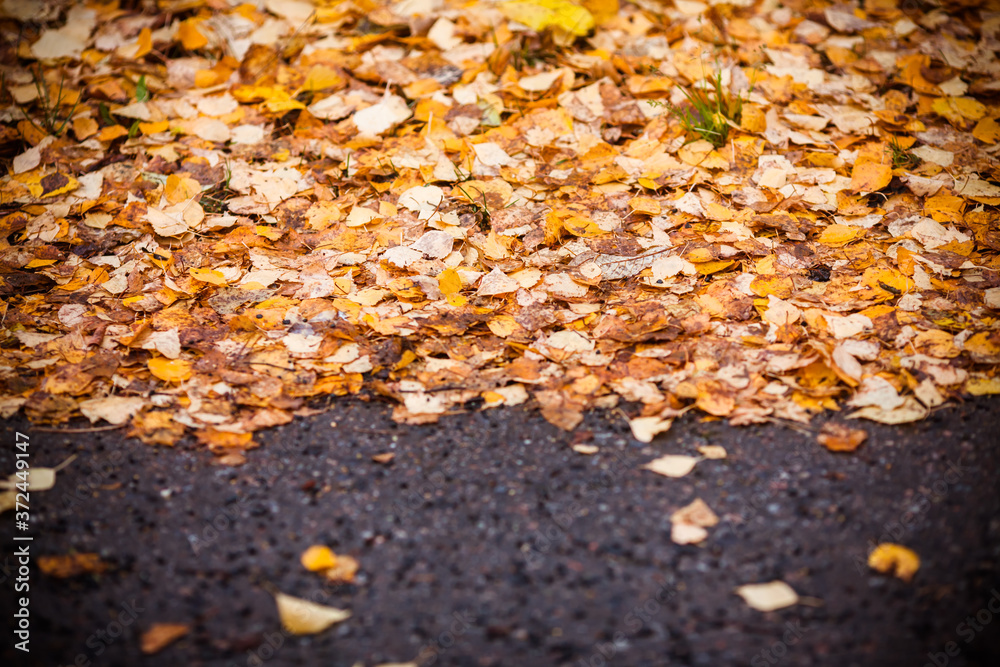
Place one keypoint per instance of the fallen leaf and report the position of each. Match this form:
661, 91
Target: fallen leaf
71, 565
317, 558
894, 559
768, 597
672, 465
161, 635
840, 438
302, 617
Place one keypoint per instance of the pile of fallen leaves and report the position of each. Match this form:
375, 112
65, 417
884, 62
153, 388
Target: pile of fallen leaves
215, 212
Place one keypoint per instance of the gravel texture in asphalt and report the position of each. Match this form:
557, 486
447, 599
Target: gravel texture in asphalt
489, 541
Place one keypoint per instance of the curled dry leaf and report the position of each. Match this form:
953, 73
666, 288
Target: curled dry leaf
302, 617
840, 438
894, 559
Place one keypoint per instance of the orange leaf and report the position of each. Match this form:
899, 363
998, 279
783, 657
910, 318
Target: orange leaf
872, 170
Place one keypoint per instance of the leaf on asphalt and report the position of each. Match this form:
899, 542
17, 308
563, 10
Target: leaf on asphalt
644, 429
712, 451
768, 597
71, 565
161, 635
318, 557
672, 465
840, 438
894, 559
688, 524
302, 617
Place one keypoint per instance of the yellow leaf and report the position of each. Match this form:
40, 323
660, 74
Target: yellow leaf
837, 235
154, 128
449, 282
38, 263
84, 127
169, 370
541, 14
144, 44
780, 286
189, 35
302, 617
268, 232
872, 170
646, 205
321, 77
179, 188
208, 276
959, 111
502, 325
896, 559
602, 10
708, 268
987, 130
317, 558
983, 386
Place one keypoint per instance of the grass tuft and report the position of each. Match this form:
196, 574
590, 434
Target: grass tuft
711, 111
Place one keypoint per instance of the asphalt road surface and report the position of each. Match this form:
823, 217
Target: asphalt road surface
489, 541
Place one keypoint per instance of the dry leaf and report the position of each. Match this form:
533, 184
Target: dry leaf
768, 597
161, 635
672, 465
894, 559
840, 438
302, 617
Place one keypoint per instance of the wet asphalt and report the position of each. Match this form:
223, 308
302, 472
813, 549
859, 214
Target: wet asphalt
488, 541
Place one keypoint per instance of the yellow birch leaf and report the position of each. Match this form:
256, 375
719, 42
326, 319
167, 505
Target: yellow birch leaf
208, 276
449, 282
541, 14
872, 170
987, 130
169, 370
837, 235
602, 10
645, 205
189, 35
179, 188
321, 77
268, 232
959, 111
502, 325
983, 386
